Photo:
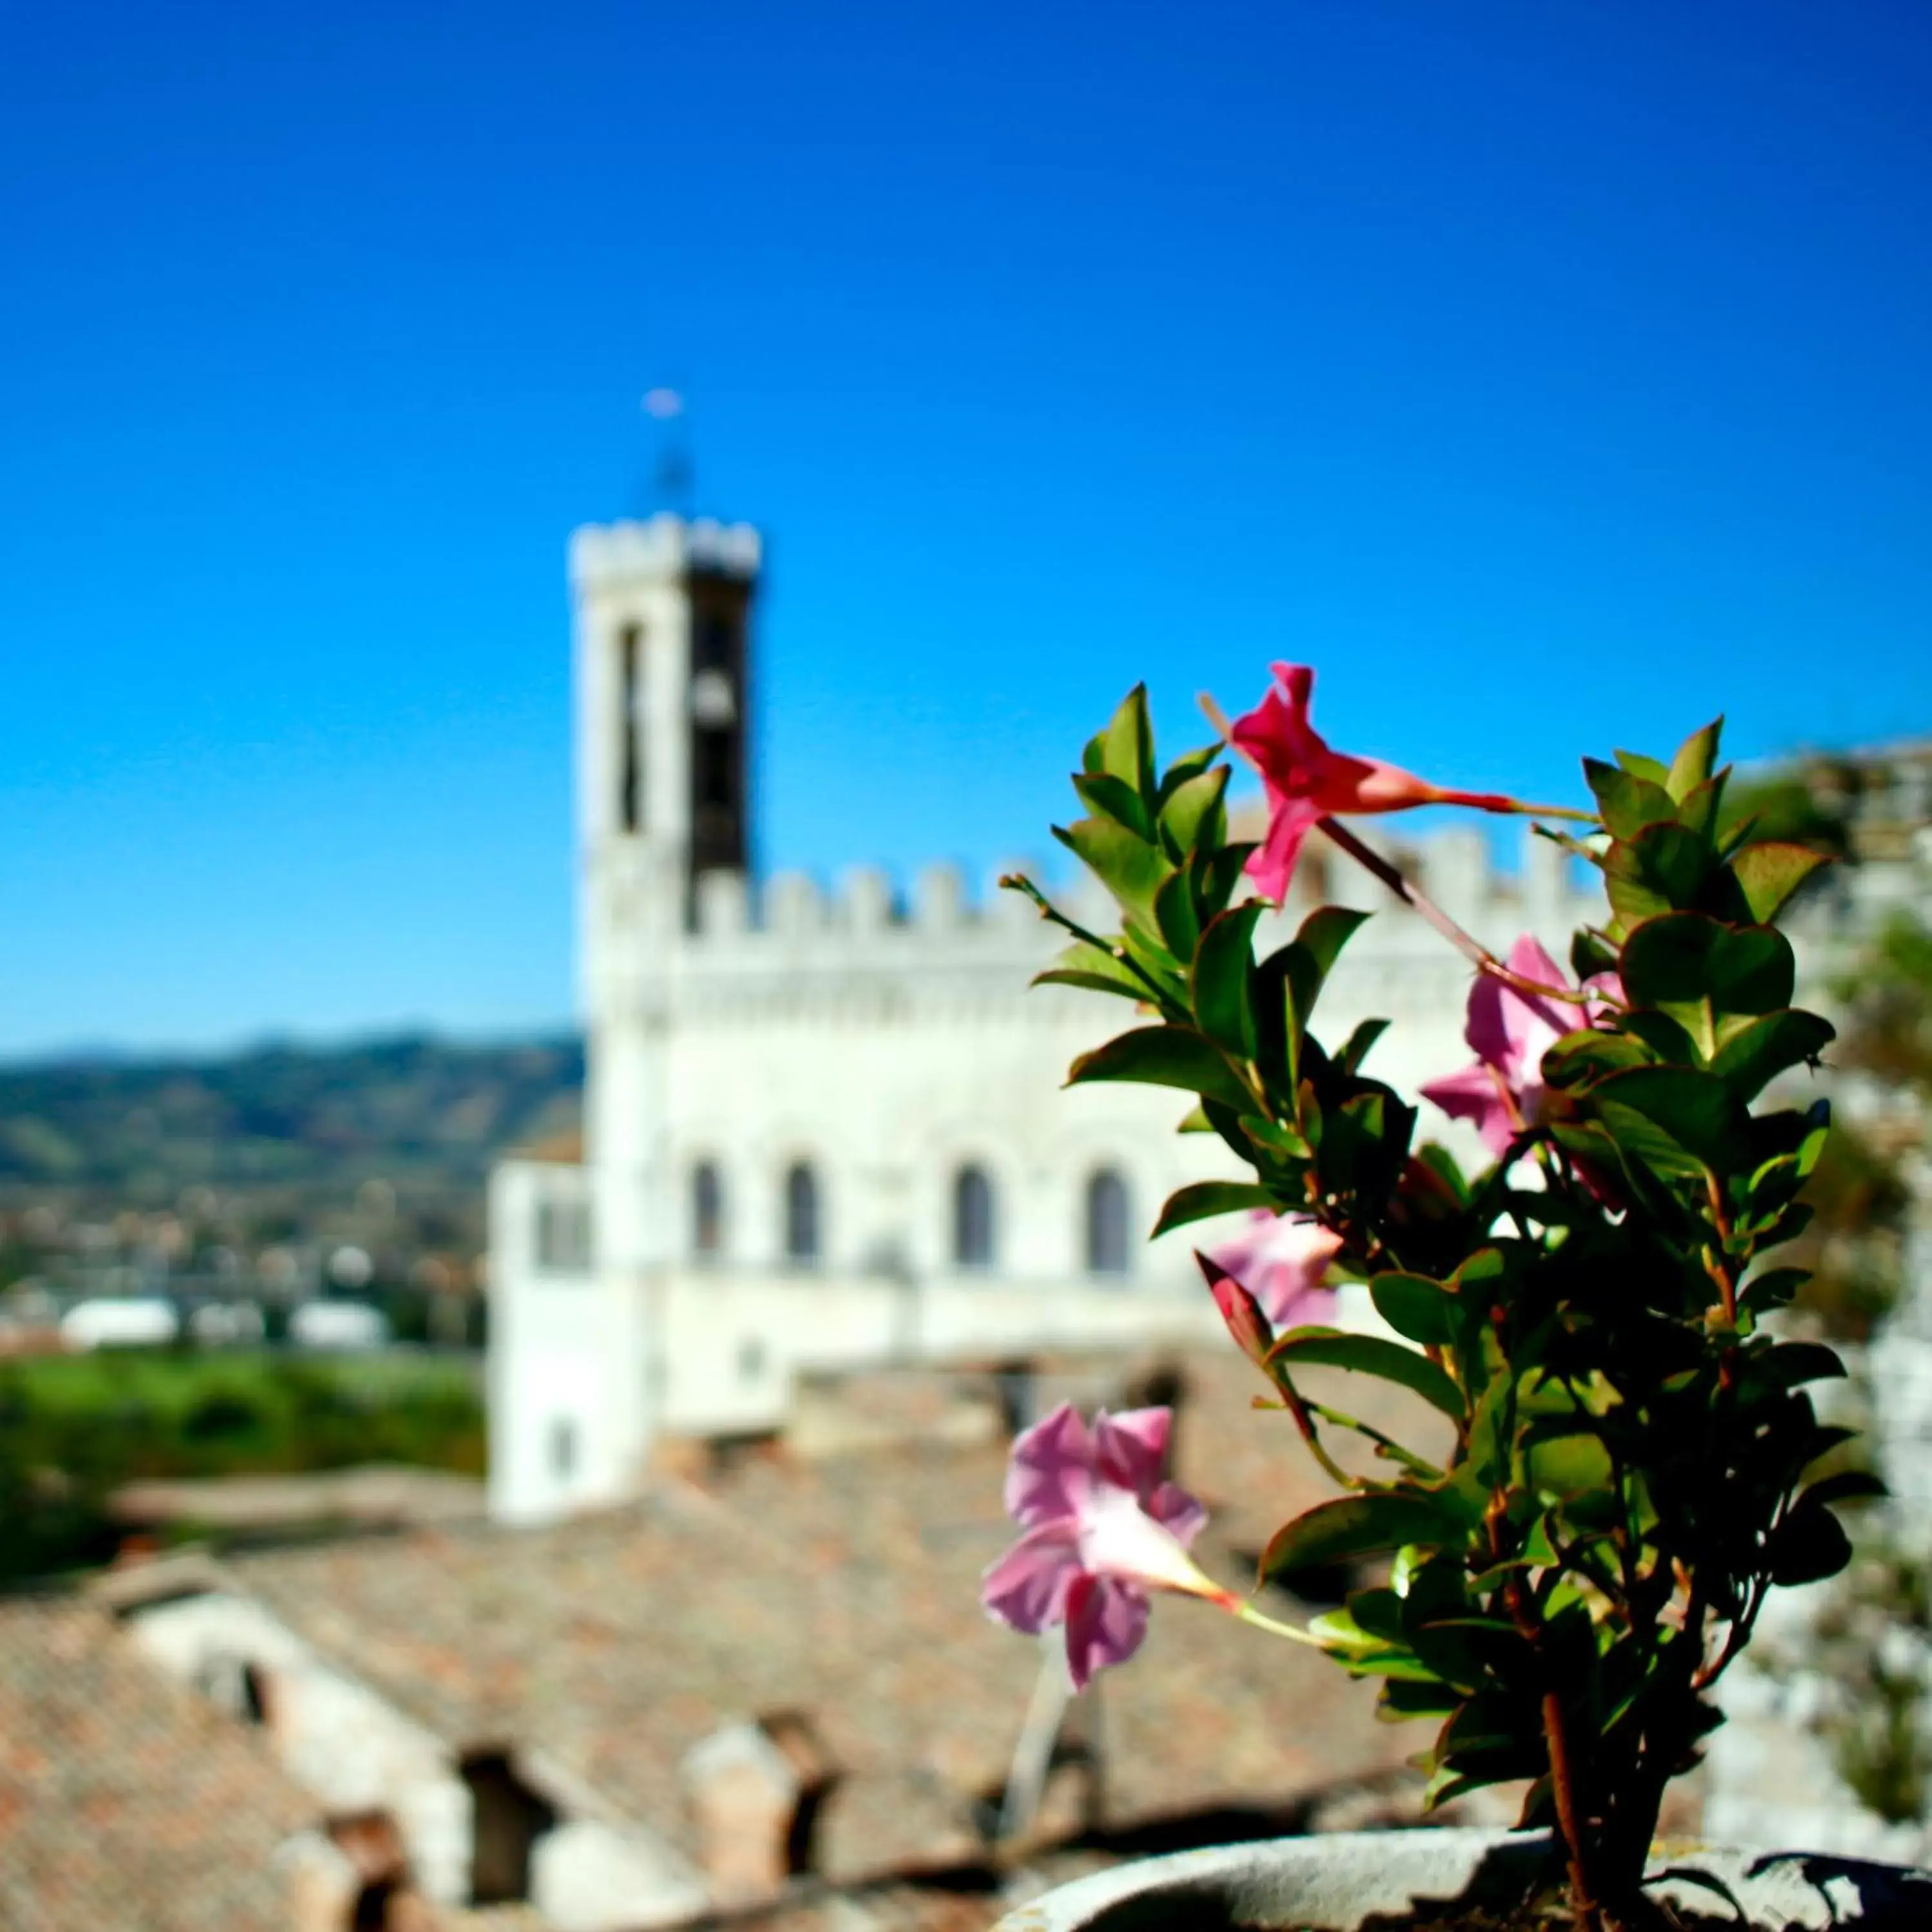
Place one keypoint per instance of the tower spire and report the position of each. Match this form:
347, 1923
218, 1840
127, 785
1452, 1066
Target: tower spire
674, 472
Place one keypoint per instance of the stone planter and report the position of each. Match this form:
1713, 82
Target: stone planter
1365, 1881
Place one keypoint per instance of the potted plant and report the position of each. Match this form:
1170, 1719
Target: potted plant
1632, 1461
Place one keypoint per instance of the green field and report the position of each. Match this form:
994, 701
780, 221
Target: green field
73, 1428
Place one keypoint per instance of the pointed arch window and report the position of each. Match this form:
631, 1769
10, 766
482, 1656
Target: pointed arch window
801, 1217
707, 1211
973, 1230
1109, 1213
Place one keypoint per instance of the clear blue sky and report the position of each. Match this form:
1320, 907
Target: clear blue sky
1550, 377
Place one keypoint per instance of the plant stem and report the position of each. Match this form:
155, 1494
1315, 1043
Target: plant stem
1588, 1913
1246, 1612
1411, 895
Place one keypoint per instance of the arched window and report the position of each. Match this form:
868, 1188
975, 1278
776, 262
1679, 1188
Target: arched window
801, 1214
972, 1218
707, 1211
1108, 1216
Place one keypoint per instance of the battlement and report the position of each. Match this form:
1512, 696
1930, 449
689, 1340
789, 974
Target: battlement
1545, 894
665, 549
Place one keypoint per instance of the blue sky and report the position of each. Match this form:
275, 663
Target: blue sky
1550, 377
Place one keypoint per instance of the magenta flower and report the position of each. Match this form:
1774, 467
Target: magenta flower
1281, 1262
1102, 1528
1305, 781
1510, 1031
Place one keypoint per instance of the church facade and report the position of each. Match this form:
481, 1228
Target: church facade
826, 1131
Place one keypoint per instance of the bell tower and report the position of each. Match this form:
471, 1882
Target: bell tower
663, 661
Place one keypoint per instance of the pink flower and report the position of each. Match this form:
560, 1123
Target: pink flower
1101, 1529
1305, 781
1281, 1263
1510, 1031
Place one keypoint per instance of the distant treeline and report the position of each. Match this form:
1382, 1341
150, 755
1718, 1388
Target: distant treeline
410, 1109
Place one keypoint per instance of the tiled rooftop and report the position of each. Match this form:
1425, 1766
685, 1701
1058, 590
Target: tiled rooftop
844, 1588
126, 1802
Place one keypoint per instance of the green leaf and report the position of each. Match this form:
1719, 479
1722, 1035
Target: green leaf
1628, 802
1590, 954
1215, 873
1358, 1526
1092, 967
1173, 910
1808, 1546
1697, 758
1674, 1120
1665, 862
1163, 1056
1638, 766
1126, 864
1223, 964
1789, 1365
1768, 873
1126, 746
1350, 1059
1114, 798
1193, 815
1773, 1289
1201, 1200
1699, 970
1580, 1057
1186, 768
1767, 1046
1322, 935
1371, 1355
1572, 1465
1414, 1306
1848, 1486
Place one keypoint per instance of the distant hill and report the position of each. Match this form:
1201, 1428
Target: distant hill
409, 1110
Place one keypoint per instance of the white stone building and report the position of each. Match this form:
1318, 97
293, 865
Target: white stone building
827, 1133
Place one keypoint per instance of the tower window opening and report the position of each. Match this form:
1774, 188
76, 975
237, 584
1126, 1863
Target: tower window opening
713, 647
801, 1215
563, 1449
707, 1211
714, 777
972, 1218
630, 766
1108, 1217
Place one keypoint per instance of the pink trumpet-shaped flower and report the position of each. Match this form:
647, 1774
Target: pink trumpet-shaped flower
1281, 1262
1510, 1031
1305, 781
1102, 1528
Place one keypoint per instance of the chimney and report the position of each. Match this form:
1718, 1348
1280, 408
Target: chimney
755, 1790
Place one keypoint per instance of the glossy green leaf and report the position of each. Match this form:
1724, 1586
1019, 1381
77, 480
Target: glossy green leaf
1789, 1365
1652, 770
1126, 865
1163, 1056
1223, 965
1768, 1046
1698, 969
1697, 758
1189, 766
1113, 798
1356, 1048
1848, 1486
1414, 1306
1201, 1200
1371, 1355
1358, 1525
1810, 1545
1173, 910
1768, 873
1093, 968
1193, 815
1628, 802
1675, 1120
1126, 746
